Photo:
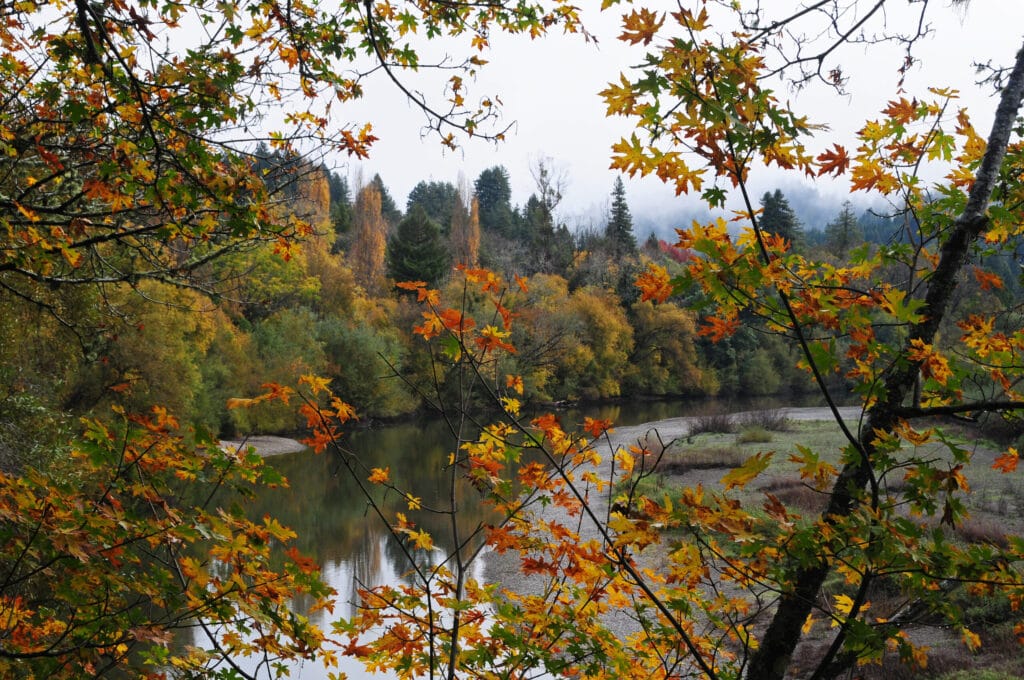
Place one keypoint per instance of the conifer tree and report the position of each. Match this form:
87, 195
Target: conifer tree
438, 200
494, 194
370, 239
844, 232
619, 231
778, 218
417, 251
341, 203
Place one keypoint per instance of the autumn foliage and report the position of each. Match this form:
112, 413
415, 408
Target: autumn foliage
127, 549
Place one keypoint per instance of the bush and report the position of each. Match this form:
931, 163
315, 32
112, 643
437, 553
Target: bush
773, 419
679, 463
754, 435
714, 423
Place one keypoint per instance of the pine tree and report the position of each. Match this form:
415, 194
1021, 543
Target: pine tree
370, 239
417, 251
778, 218
438, 200
494, 194
341, 203
843, 232
619, 231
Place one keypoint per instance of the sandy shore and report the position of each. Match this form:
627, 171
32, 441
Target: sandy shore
266, 445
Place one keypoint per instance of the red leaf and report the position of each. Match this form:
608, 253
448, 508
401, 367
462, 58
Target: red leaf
833, 161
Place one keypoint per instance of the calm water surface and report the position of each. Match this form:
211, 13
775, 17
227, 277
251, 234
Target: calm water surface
337, 527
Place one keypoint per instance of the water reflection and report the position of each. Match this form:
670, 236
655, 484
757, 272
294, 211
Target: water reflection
339, 529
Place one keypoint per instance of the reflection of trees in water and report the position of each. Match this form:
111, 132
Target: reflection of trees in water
337, 528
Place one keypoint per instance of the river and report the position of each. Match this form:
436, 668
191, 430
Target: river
337, 528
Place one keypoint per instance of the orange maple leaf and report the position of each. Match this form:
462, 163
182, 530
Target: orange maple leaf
987, 280
640, 26
833, 160
514, 382
1007, 462
596, 427
717, 329
654, 284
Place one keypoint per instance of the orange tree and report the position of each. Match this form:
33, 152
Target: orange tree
130, 150
739, 585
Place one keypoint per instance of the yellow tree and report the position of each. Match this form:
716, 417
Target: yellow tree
130, 159
369, 244
743, 577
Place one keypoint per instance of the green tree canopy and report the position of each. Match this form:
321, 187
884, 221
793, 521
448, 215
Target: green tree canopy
844, 232
778, 218
437, 199
417, 251
494, 195
619, 230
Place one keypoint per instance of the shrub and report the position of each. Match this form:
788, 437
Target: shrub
754, 435
713, 422
773, 419
679, 463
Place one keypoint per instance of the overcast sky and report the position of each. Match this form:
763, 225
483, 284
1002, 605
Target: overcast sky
549, 89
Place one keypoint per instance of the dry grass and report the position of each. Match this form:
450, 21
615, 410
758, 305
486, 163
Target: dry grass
773, 420
754, 434
713, 423
982, 531
795, 494
681, 462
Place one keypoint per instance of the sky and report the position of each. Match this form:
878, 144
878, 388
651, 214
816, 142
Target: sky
549, 90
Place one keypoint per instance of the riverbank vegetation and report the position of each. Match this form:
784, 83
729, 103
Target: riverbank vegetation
168, 276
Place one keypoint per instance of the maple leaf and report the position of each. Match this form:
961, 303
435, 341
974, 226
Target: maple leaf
596, 427
640, 26
987, 280
422, 540
717, 328
316, 384
654, 284
305, 564
751, 468
379, 475
515, 383
1007, 462
833, 161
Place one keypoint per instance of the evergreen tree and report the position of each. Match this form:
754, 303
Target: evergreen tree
388, 208
619, 231
843, 232
778, 218
417, 251
437, 199
494, 194
341, 203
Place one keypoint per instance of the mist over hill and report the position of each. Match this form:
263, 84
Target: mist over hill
814, 205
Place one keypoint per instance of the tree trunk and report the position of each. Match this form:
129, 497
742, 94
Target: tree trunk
772, 659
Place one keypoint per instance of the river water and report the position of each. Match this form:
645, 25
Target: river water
339, 530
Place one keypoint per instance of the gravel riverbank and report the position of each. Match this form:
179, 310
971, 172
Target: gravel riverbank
503, 569
266, 445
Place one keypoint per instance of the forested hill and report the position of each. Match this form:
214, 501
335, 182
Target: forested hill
328, 305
